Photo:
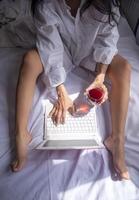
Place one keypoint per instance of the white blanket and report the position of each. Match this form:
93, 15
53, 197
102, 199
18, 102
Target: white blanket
66, 175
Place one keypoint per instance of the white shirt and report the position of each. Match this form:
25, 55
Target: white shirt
64, 42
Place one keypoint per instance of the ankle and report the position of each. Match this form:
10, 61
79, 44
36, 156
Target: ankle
118, 139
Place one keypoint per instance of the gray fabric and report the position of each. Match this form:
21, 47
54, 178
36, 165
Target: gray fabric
131, 10
16, 24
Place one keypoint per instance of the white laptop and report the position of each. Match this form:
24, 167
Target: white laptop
78, 132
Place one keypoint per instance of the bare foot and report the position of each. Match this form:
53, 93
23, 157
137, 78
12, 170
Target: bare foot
22, 141
117, 149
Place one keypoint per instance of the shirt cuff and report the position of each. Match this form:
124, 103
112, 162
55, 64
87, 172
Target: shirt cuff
56, 76
104, 55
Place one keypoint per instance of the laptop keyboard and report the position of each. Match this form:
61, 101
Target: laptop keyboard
81, 126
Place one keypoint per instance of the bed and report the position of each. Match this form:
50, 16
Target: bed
70, 174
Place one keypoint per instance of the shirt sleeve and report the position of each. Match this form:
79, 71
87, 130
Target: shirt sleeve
105, 46
49, 45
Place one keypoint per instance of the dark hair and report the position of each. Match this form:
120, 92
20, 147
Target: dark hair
103, 6
34, 5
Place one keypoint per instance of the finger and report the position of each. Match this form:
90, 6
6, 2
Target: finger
72, 109
104, 99
86, 93
75, 107
106, 94
63, 117
54, 118
89, 88
54, 115
64, 110
59, 115
105, 90
52, 111
101, 103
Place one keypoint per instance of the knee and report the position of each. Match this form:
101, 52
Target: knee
126, 68
32, 63
122, 72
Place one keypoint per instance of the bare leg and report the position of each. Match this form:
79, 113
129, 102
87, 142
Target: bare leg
119, 74
30, 70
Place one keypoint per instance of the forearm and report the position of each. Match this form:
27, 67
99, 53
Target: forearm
101, 70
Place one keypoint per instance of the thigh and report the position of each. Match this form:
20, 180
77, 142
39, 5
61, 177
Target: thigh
32, 61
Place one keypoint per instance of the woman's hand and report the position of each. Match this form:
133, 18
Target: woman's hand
99, 83
63, 104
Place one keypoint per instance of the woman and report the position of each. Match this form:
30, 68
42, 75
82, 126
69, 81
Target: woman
72, 33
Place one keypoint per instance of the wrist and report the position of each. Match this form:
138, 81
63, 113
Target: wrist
100, 78
60, 87
61, 90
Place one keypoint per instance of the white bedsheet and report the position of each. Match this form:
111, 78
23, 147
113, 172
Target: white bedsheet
66, 175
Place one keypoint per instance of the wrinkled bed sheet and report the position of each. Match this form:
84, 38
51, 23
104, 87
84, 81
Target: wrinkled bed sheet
70, 174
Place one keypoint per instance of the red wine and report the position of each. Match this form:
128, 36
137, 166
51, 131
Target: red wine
96, 95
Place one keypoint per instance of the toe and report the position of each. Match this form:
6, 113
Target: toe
18, 165
125, 175
122, 172
14, 165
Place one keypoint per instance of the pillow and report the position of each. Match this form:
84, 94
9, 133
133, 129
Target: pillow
16, 24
